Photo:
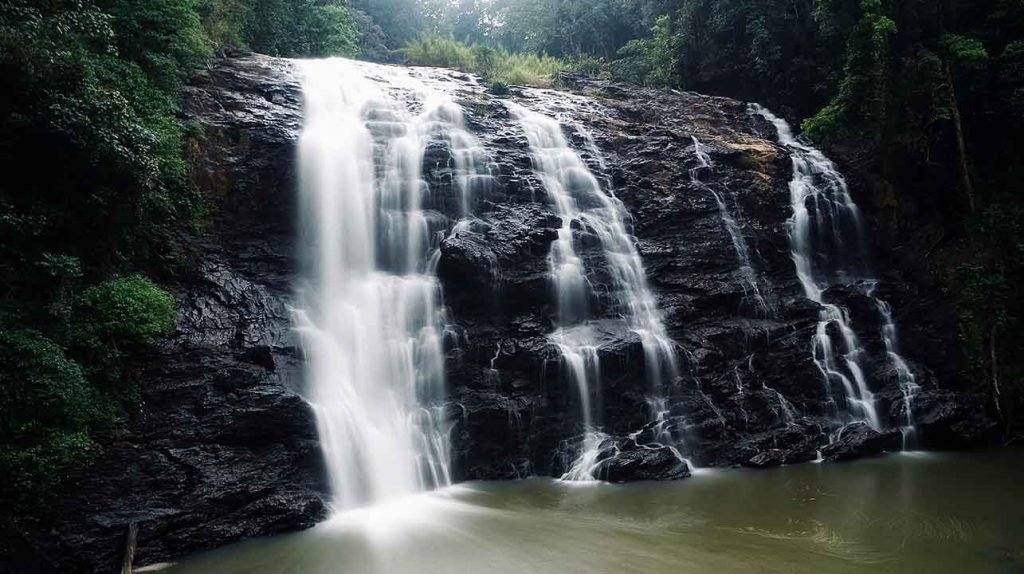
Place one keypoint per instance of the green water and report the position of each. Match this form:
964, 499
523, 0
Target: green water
902, 513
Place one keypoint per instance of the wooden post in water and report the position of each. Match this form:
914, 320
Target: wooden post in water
129, 547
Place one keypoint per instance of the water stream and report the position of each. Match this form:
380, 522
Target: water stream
905, 376
827, 244
579, 201
746, 267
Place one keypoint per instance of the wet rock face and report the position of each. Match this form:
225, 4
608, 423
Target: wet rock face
631, 462
225, 448
750, 392
858, 440
946, 419
795, 444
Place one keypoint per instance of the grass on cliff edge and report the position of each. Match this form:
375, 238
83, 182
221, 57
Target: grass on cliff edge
496, 65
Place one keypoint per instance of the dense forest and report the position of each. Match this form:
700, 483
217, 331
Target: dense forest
927, 95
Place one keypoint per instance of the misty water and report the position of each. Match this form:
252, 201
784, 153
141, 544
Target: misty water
901, 513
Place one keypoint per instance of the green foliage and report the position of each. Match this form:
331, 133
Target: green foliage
39, 377
650, 61
590, 66
485, 59
50, 406
1011, 62
964, 50
91, 90
566, 28
340, 37
91, 87
762, 51
860, 105
499, 88
123, 312
163, 37
827, 124
282, 27
530, 69
441, 52
987, 292
30, 474
300, 28
495, 64
62, 274
397, 22
224, 22
47, 411
109, 120
112, 324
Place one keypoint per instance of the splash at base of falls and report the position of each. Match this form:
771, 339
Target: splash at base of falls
661, 435
582, 366
600, 457
587, 465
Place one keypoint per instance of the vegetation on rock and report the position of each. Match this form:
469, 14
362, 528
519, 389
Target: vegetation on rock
495, 64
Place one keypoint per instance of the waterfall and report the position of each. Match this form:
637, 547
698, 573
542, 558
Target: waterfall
746, 268
905, 377
826, 241
785, 412
370, 310
579, 201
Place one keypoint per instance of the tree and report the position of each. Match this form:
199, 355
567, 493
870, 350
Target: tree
47, 412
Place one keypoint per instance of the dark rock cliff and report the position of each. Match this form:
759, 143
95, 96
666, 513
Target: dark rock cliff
225, 448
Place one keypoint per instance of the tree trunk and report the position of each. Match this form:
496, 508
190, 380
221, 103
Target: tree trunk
995, 368
954, 108
129, 548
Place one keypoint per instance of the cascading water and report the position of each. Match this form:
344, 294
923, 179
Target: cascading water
370, 312
826, 240
590, 145
580, 201
907, 381
741, 397
746, 268
470, 165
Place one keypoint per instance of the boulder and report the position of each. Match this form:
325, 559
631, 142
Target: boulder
634, 462
858, 440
